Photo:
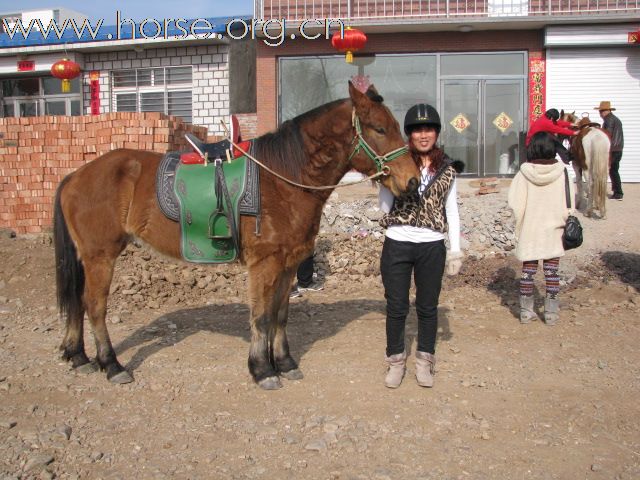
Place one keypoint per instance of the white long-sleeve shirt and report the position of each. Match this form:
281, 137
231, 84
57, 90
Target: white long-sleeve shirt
409, 233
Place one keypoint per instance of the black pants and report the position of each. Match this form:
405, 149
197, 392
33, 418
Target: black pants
616, 184
305, 272
426, 261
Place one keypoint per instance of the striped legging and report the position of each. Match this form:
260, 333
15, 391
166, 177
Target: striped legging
552, 280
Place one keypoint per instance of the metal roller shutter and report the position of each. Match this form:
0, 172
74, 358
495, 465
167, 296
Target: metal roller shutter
579, 78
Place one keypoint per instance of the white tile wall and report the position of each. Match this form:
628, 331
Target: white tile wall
210, 92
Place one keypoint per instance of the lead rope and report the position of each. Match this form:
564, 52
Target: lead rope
385, 170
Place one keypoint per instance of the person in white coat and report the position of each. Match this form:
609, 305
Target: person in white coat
538, 198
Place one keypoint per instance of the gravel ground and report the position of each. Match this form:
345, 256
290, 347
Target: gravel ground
510, 400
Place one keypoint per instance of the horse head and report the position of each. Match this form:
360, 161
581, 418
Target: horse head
568, 116
378, 143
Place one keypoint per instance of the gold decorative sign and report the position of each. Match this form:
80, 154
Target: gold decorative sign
502, 122
460, 122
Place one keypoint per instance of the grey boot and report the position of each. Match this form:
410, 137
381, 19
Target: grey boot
551, 310
526, 309
397, 365
425, 368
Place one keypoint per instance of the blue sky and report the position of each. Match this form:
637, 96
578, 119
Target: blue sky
139, 10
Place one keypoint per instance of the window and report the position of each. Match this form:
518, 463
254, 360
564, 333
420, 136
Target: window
33, 96
403, 81
483, 64
166, 90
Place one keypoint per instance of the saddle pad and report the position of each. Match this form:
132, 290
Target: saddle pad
195, 189
165, 177
168, 202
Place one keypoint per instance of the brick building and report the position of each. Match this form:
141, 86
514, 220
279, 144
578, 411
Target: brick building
134, 68
490, 67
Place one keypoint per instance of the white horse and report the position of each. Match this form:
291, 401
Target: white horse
590, 149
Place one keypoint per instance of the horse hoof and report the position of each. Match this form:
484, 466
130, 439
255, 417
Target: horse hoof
121, 378
87, 368
270, 383
294, 374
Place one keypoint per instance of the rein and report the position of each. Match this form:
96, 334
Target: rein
379, 160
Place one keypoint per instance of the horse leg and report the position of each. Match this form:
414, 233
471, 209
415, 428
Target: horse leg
579, 187
600, 163
266, 286
69, 289
73, 344
588, 193
284, 362
98, 275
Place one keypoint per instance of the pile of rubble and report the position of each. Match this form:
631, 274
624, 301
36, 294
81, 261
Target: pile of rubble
347, 250
486, 222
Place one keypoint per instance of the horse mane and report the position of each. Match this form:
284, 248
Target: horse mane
283, 150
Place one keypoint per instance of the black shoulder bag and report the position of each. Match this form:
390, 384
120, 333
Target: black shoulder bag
572, 235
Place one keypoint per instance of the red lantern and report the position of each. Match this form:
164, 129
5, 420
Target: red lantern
352, 41
65, 70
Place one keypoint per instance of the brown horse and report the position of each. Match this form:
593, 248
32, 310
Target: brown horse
106, 203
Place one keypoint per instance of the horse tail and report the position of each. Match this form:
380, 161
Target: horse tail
69, 269
600, 172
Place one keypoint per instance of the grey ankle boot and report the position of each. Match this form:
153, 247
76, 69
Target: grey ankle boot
397, 365
551, 310
425, 368
526, 309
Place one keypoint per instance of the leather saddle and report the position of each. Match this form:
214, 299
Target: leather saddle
207, 152
577, 150
204, 153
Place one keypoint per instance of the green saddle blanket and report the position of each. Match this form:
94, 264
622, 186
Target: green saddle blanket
206, 233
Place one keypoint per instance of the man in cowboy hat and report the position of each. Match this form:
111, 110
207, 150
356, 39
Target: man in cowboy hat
613, 126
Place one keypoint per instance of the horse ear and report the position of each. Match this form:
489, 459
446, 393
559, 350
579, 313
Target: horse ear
562, 113
373, 94
360, 100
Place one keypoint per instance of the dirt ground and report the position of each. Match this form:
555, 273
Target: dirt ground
511, 401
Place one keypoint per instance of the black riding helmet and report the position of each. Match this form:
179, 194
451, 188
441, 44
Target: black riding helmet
421, 114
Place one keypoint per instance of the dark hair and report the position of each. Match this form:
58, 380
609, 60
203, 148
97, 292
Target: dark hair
436, 155
552, 114
542, 147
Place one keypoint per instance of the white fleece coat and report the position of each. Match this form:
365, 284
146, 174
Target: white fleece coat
537, 197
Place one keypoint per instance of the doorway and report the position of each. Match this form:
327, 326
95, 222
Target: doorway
483, 124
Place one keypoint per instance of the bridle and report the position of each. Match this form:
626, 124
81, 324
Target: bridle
362, 145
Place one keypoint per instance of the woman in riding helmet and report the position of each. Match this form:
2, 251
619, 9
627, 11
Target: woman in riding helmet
415, 230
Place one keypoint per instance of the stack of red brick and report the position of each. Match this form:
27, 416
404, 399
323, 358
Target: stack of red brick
36, 153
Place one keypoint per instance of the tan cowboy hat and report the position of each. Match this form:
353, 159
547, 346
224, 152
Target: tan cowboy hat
604, 105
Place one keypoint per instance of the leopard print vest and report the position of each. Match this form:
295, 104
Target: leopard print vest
426, 210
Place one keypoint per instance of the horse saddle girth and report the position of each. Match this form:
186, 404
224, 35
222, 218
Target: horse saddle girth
168, 201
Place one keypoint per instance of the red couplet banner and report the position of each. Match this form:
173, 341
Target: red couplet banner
94, 89
537, 88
